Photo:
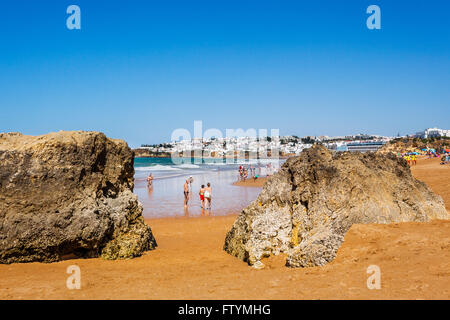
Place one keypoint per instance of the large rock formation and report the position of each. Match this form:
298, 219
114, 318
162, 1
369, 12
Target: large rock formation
68, 193
306, 208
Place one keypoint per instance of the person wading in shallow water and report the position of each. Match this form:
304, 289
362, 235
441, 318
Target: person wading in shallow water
150, 180
186, 193
190, 182
208, 193
202, 196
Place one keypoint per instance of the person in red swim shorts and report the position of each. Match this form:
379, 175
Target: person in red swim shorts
202, 196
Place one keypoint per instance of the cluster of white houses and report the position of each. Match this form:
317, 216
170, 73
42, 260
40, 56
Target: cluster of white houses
226, 146
432, 133
286, 145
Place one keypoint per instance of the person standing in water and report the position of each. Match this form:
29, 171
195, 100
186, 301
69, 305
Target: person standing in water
150, 180
190, 182
202, 196
186, 193
208, 193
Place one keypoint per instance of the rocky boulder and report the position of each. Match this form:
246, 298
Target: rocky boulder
306, 208
68, 194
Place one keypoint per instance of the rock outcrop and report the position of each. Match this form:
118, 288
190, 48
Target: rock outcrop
68, 194
306, 208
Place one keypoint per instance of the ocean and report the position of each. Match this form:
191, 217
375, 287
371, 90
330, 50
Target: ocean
166, 198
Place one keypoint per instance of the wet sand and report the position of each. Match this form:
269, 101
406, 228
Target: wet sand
259, 183
189, 263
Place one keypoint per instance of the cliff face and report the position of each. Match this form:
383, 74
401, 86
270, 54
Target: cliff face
68, 193
307, 207
144, 153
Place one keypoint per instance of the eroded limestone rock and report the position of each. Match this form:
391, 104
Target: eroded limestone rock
68, 193
306, 208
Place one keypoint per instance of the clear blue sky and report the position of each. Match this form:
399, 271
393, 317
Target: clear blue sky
137, 70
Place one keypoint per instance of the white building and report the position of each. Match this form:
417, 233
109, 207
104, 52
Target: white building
433, 133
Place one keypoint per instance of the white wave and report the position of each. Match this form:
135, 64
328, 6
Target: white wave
188, 166
261, 162
158, 167
217, 164
244, 162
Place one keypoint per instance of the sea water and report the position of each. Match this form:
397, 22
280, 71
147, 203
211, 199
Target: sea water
166, 197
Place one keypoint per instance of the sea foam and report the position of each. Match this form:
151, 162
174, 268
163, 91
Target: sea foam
157, 167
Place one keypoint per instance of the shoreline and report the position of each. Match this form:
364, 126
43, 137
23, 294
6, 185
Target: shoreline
168, 156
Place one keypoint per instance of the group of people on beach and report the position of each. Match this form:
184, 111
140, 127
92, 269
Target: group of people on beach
244, 172
205, 194
411, 159
445, 159
254, 172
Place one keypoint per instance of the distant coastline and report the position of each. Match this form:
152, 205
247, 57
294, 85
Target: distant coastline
396, 145
142, 153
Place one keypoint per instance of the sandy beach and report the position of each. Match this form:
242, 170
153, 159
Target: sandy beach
189, 263
259, 183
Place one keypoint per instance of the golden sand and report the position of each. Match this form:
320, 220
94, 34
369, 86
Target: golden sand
189, 263
251, 183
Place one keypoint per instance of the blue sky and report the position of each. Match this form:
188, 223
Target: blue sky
137, 70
